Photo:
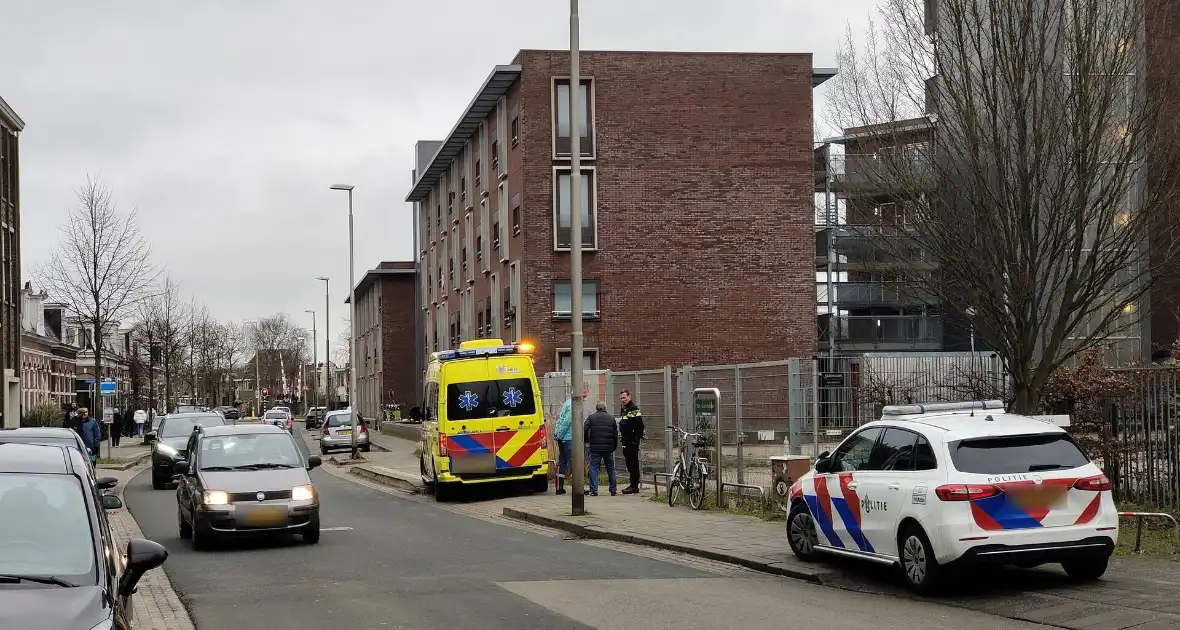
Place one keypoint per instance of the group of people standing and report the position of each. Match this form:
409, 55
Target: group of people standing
80, 420
603, 436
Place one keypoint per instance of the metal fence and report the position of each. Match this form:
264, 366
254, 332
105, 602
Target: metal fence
1138, 437
795, 406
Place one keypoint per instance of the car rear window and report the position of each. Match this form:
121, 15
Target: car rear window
1009, 454
339, 420
490, 399
276, 415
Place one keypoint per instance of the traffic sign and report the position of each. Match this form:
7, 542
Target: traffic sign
108, 386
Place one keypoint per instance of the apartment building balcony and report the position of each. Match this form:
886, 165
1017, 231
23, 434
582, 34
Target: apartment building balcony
868, 247
868, 333
875, 294
901, 172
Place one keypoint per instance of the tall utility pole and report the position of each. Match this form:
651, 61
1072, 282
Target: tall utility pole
315, 381
327, 347
352, 364
578, 499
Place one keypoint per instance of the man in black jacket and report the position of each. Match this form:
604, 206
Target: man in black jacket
602, 438
631, 430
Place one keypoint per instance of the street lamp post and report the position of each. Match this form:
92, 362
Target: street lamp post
327, 347
578, 499
315, 383
352, 364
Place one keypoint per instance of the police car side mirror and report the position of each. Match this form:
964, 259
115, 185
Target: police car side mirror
823, 464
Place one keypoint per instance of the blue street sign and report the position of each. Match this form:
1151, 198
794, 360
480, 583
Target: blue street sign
109, 386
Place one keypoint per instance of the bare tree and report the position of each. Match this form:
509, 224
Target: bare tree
281, 346
1042, 186
102, 265
162, 321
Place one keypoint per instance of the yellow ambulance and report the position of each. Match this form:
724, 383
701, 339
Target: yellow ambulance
484, 422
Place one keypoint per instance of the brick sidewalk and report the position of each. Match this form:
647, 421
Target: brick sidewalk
156, 605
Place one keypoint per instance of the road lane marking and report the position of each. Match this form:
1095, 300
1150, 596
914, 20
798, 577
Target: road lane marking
335, 529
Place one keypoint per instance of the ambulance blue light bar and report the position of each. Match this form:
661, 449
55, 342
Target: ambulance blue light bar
908, 410
487, 351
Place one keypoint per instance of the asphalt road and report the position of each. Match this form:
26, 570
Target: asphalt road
405, 563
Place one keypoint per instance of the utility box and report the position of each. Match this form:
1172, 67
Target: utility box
784, 470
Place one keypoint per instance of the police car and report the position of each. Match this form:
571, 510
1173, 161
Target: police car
936, 485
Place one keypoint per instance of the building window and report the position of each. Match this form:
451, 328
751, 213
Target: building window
478, 170
589, 360
563, 299
487, 316
514, 130
464, 255
450, 202
463, 189
451, 270
479, 324
516, 220
496, 155
496, 236
509, 312
438, 216
561, 210
479, 245
561, 107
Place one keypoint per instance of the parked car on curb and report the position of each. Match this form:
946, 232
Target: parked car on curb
337, 432
242, 480
315, 417
948, 484
171, 438
61, 568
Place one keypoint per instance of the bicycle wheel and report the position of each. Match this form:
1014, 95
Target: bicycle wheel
675, 481
696, 486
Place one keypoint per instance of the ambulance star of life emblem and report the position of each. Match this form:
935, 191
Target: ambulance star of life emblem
261, 496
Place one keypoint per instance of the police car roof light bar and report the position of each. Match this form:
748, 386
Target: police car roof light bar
906, 410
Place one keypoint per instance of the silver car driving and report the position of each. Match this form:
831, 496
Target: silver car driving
280, 419
337, 432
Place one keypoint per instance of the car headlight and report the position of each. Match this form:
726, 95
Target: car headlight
215, 497
302, 493
165, 450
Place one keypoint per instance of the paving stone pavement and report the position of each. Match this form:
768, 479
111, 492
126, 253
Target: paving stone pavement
156, 605
1139, 593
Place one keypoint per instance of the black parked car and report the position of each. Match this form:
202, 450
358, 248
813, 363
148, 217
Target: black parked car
249, 479
230, 413
60, 568
170, 439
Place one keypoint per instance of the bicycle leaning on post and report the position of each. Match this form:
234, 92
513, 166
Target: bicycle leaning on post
691, 470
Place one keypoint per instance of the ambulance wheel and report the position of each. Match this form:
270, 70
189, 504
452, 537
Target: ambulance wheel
801, 534
540, 483
442, 491
918, 564
1086, 569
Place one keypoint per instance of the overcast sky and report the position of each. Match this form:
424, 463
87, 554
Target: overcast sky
224, 122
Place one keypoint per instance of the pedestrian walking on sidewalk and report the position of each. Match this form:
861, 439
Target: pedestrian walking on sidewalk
602, 437
91, 433
563, 432
631, 430
116, 428
140, 418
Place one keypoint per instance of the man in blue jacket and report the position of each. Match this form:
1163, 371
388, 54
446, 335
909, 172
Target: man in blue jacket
563, 432
91, 433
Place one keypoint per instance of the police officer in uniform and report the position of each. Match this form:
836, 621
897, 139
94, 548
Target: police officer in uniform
631, 432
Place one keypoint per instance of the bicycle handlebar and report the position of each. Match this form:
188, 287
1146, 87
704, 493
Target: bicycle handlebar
683, 432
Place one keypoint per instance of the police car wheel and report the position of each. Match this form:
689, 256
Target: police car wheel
801, 533
1086, 569
918, 563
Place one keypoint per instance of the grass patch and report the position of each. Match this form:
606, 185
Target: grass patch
1158, 536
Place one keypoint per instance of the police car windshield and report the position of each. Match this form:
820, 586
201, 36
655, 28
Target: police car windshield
1009, 454
490, 399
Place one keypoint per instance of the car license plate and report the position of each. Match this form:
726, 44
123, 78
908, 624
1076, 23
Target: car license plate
1040, 499
345, 432
265, 516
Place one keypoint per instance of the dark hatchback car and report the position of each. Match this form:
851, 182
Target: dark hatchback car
170, 440
230, 413
248, 479
59, 567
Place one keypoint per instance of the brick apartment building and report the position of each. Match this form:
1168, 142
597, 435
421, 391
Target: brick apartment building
10, 271
697, 210
386, 339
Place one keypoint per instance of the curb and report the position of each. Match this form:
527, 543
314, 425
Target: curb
127, 464
601, 534
387, 477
